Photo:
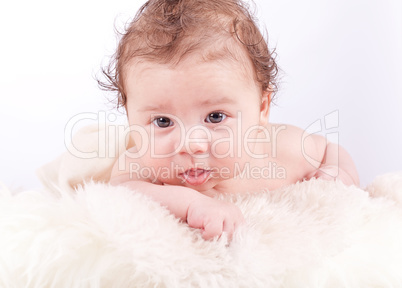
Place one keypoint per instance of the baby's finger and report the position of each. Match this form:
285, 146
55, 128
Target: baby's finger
229, 228
212, 229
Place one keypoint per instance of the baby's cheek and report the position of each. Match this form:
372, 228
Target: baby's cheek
163, 145
162, 150
224, 144
222, 149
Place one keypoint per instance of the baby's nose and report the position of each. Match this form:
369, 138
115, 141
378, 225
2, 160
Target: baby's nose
197, 140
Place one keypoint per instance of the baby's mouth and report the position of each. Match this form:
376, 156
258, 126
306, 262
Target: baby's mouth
195, 176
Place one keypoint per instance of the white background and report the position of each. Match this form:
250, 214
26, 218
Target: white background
340, 56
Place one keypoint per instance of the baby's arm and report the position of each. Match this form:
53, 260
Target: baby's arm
210, 215
312, 155
335, 162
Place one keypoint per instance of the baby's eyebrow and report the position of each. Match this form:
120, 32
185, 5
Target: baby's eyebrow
152, 108
208, 102
218, 100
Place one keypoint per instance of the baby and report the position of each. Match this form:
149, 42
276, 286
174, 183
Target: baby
196, 79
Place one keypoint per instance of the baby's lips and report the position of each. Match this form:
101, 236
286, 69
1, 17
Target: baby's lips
195, 172
195, 176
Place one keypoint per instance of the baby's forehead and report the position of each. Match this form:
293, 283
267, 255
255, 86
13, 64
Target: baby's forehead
222, 54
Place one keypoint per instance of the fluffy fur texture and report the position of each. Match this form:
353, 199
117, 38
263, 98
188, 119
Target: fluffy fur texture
311, 234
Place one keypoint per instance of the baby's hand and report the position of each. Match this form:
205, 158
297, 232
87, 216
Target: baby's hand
214, 217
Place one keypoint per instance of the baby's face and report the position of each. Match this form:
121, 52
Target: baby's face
193, 124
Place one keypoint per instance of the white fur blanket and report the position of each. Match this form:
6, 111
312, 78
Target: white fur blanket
311, 234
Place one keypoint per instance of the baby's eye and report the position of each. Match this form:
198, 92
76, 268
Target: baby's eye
215, 117
162, 122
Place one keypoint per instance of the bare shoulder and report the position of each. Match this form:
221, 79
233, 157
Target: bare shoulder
126, 168
121, 169
294, 147
292, 136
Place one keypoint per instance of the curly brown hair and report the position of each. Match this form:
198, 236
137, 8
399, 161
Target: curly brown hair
166, 31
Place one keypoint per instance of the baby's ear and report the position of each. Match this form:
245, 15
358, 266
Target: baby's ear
264, 110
